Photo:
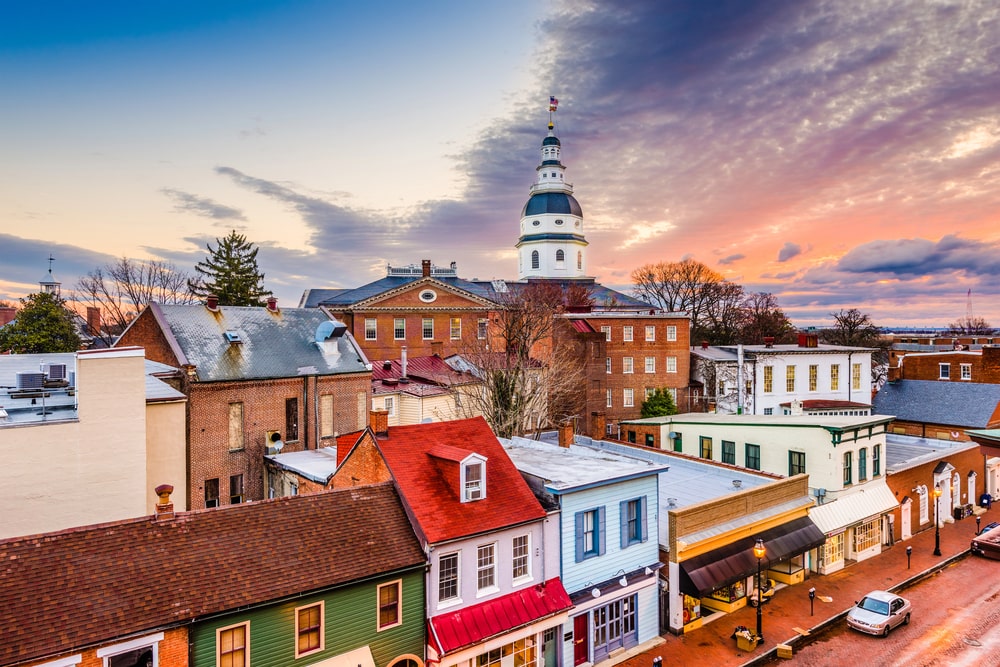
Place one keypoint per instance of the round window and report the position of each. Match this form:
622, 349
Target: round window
559, 222
428, 295
535, 223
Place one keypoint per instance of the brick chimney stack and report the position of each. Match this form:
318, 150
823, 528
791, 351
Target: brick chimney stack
379, 420
164, 508
566, 434
272, 304
598, 425
212, 302
93, 320
7, 314
425, 268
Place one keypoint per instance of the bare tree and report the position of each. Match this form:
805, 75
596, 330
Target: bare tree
856, 329
525, 376
676, 286
123, 288
724, 316
971, 326
764, 318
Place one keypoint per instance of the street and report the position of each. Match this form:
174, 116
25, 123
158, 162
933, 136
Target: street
955, 622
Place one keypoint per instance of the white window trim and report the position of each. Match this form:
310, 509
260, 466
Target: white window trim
457, 600
495, 586
671, 367
650, 364
965, 371
628, 397
628, 334
455, 333
113, 650
473, 459
374, 329
398, 583
389, 404
628, 369
395, 328
69, 661
423, 328
671, 333
218, 645
322, 628
524, 577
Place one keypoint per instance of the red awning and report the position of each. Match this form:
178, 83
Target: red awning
471, 625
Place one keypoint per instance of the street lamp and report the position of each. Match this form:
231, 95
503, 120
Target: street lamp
759, 551
937, 519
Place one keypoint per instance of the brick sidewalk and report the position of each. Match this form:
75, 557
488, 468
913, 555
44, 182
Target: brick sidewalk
788, 610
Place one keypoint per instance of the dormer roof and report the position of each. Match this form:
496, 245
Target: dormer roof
427, 461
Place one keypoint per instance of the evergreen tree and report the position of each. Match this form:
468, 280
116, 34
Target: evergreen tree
230, 272
43, 325
659, 404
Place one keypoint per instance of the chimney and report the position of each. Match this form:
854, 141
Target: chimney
598, 425
808, 339
402, 361
272, 304
436, 347
7, 314
768, 341
93, 320
566, 434
164, 508
212, 302
704, 344
425, 266
379, 420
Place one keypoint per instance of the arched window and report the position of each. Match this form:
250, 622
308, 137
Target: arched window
579, 260
560, 255
534, 259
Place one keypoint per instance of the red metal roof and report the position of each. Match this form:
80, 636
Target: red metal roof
431, 490
471, 625
583, 326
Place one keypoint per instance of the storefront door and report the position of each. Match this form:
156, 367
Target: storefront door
581, 645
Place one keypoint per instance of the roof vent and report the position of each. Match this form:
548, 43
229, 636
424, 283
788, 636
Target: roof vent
737, 483
232, 336
671, 502
386, 365
330, 329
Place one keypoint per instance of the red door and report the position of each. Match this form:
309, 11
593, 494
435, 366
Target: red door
581, 646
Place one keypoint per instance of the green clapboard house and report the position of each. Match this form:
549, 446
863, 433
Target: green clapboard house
362, 604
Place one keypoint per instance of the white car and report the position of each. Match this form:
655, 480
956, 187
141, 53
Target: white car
878, 613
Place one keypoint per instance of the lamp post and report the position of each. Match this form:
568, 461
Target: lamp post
937, 519
759, 551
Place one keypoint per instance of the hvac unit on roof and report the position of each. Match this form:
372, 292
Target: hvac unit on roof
30, 380
55, 371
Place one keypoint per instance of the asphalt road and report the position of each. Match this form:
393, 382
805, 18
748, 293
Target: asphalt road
955, 623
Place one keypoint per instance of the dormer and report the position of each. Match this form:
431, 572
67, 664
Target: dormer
473, 480
464, 468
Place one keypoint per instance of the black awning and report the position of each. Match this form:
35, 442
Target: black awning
720, 567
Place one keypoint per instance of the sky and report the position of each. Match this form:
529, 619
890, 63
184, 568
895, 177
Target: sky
838, 154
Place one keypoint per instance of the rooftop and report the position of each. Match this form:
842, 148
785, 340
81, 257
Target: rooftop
907, 451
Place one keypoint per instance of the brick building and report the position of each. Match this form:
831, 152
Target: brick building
980, 365
254, 377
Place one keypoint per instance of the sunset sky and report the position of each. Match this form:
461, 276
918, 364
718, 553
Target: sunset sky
837, 154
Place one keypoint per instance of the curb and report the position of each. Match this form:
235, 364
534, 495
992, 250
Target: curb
771, 655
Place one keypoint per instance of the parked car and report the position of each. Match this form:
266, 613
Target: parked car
878, 613
987, 542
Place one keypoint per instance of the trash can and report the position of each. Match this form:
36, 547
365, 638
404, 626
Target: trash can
959, 513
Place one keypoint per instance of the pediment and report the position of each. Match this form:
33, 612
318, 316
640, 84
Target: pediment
425, 294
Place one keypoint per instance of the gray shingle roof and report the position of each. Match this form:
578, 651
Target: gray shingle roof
272, 344
962, 404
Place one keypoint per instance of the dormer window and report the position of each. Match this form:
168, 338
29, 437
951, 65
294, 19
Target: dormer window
473, 479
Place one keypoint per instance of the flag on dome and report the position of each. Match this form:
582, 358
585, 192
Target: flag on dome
553, 103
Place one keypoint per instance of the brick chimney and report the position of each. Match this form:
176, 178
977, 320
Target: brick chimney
7, 314
272, 304
212, 302
808, 339
566, 434
598, 425
425, 268
704, 344
768, 341
437, 347
164, 508
379, 420
93, 320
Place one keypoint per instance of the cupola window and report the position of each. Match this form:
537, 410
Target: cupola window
559, 222
579, 260
535, 223
534, 259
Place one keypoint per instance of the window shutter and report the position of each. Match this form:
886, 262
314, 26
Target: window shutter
623, 513
601, 530
579, 536
642, 513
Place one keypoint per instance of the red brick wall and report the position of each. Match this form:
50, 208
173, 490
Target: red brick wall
146, 333
985, 366
904, 482
263, 410
173, 651
364, 465
386, 347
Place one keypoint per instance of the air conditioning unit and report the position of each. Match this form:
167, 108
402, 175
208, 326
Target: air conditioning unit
55, 371
30, 380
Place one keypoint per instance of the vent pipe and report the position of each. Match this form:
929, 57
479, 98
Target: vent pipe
402, 361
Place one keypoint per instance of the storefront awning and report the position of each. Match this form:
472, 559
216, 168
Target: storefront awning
720, 567
854, 507
471, 625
